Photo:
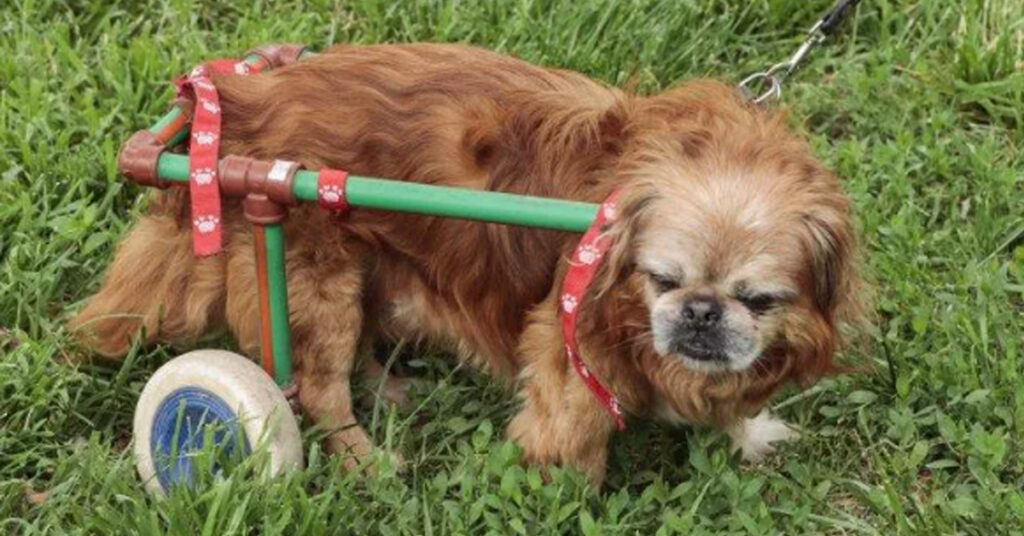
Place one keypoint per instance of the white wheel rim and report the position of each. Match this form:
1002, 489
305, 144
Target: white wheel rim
239, 384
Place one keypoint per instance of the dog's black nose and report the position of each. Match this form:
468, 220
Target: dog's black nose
702, 312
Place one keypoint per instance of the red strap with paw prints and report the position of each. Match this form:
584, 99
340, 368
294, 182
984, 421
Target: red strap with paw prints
204, 145
330, 190
582, 269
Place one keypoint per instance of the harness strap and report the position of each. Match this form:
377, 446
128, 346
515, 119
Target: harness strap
204, 146
330, 190
583, 266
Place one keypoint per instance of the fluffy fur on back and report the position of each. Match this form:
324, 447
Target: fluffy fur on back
461, 116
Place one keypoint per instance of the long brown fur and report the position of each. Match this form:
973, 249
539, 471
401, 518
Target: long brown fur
460, 116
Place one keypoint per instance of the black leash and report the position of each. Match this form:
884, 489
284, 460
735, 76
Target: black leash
835, 17
772, 79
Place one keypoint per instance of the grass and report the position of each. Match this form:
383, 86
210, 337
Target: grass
919, 106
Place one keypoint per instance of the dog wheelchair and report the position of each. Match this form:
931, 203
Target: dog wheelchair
211, 398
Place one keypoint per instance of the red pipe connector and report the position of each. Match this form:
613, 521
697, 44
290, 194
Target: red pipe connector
242, 175
259, 209
139, 157
266, 186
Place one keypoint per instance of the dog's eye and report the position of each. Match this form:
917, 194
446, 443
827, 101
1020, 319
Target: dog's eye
663, 283
760, 303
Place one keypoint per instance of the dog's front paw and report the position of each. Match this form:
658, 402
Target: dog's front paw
546, 443
393, 389
756, 437
525, 429
352, 444
358, 453
396, 390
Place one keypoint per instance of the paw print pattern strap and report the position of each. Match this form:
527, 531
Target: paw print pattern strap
330, 190
204, 144
583, 266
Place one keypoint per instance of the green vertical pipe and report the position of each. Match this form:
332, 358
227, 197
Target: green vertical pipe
277, 287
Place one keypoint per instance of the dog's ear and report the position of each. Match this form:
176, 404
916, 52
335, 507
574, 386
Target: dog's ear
830, 258
813, 335
620, 259
612, 132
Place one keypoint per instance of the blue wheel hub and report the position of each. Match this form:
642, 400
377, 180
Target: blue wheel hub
192, 422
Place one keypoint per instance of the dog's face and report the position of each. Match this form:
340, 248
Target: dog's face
743, 243
720, 275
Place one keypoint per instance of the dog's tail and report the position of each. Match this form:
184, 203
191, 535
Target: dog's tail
155, 288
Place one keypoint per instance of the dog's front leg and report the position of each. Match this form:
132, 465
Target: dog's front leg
561, 422
574, 431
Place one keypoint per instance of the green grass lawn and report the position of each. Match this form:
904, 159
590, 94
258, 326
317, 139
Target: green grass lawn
919, 106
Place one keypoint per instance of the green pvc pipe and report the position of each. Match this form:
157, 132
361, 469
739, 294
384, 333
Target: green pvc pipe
171, 116
451, 202
178, 138
445, 201
277, 287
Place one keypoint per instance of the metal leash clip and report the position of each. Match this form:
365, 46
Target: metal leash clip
772, 79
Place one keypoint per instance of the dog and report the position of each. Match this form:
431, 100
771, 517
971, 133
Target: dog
733, 269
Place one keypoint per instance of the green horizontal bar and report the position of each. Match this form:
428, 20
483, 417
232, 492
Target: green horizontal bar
445, 201
464, 203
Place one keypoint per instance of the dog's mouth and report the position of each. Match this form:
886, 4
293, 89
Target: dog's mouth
713, 352
701, 349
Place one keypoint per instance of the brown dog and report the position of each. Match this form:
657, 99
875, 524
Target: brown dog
731, 271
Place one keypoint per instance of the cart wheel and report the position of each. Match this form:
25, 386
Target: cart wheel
210, 396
